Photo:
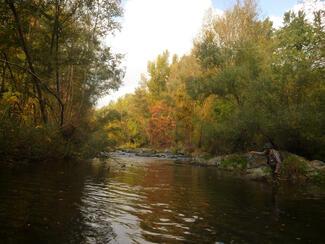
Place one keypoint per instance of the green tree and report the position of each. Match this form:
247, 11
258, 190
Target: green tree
159, 72
54, 66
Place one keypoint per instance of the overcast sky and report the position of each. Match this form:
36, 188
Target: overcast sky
151, 26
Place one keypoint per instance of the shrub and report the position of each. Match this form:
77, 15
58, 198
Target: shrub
294, 168
234, 162
318, 177
23, 142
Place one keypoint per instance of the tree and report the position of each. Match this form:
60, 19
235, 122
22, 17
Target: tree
53, 63
243, 84
160, 126
159, 72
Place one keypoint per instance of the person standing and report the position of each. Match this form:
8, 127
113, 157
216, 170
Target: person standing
273, 158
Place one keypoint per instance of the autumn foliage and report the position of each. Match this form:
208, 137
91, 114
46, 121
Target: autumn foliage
53, 68
243, 83
161, 126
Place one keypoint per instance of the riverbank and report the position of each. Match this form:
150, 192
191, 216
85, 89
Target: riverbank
294, 168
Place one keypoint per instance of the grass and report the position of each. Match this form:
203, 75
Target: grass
234, 162
294, 168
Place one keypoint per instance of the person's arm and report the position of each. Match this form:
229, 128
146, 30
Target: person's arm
258, 153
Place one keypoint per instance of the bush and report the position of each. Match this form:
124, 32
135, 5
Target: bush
22, 142
318, 177
234, 162
294, 168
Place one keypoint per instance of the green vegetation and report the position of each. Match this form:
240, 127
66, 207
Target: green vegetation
319, 178
244, 83
53, 68
294, 168
234, 162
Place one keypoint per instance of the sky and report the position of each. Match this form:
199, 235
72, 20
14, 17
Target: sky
151, 26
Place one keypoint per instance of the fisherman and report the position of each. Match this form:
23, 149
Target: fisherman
273, 159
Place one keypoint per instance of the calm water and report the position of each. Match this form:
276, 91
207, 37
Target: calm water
150, 201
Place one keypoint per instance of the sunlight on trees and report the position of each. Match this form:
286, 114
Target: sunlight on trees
53, 69
244, 83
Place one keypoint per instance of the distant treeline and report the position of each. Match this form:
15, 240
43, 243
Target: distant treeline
53, 67
244, 83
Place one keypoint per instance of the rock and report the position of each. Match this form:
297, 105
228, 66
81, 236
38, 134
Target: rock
216, 161
145, 154
96, 160
254, 161
317, 164
259, 173
199, 161
160, 155
104, 154
127, 150
167, 151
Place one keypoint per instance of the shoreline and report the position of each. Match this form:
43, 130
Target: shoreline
294, 169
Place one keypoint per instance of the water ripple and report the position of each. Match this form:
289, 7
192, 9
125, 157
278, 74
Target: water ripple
151, 202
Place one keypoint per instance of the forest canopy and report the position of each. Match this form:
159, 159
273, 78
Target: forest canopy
54, 67
243, 83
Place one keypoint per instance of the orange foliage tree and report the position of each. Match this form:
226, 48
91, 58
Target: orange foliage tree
161, 125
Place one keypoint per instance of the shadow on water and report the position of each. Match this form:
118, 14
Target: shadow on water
43, 203
152, 201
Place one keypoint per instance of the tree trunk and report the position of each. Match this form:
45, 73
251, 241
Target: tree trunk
10, 71
2, 87
29, 61
57, 67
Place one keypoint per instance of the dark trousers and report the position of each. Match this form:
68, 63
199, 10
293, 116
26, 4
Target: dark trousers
273, 168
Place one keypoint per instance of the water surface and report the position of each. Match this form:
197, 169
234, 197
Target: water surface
151, 201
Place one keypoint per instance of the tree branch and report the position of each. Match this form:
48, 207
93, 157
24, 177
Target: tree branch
28, 58
45, 87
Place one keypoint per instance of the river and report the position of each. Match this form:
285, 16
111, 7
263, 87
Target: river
141, 200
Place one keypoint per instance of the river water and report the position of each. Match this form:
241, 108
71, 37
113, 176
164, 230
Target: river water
141, 200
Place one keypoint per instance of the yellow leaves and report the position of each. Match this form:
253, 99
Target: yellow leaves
24, 117
208, 106
21, 56
32, 102
11, 98
17, 106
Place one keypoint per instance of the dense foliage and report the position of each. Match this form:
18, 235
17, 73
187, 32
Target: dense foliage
53, 67
243, 84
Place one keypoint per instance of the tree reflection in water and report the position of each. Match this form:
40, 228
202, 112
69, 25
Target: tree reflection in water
150, 201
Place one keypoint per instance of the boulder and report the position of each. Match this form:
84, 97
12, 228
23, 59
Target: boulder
317, 164
258, 173
215, 161
199, 161
104, 154
254, 161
